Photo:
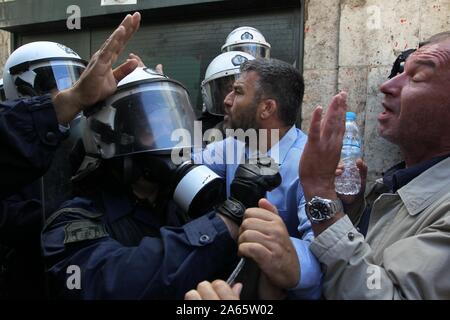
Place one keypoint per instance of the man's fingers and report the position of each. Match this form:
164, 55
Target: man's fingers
116, 42
254, 236
138, 59
125, 69
265, 204
255, 251
206, 291
159, 68
259, 213
237, 288
314, 128
362, 168
192, 295
334, 121
224, 291
131, 24
112, 46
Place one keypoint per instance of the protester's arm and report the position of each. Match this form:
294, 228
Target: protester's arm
324, 143
309, 285
29, 130
265, 239
352, 271
99, 80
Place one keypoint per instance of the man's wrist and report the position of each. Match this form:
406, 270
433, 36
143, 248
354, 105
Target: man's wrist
67, 105
326, 193
233, 228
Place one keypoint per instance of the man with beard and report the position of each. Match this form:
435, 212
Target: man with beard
264, 103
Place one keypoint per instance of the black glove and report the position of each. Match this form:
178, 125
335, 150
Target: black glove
250, 184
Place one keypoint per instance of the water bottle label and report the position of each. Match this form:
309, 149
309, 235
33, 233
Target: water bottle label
354, 144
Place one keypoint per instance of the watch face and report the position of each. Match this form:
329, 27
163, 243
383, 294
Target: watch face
319, 210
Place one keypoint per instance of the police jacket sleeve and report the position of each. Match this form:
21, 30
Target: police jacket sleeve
29, 136
84, 262
20, 222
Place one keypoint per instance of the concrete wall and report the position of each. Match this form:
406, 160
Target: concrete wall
351, 45
4, 49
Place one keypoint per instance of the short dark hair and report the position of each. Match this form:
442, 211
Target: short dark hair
280, 81
439, 37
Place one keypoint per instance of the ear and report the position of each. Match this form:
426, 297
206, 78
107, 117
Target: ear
268, 108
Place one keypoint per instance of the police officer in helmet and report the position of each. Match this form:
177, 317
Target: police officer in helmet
124, 232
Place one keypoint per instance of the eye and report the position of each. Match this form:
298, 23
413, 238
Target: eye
419, 76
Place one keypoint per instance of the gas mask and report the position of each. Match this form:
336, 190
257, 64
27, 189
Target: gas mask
135, 128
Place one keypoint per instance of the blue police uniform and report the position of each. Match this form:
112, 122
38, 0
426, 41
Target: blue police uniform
125, 250
29, 138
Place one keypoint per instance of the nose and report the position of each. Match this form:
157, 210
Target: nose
393, 86
228, 101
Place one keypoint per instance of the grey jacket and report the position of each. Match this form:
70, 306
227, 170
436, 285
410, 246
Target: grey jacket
406, 254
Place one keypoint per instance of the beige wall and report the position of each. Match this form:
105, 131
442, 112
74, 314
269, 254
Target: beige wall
351, 45
4, 49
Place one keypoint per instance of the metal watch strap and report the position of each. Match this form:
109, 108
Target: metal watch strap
337, 206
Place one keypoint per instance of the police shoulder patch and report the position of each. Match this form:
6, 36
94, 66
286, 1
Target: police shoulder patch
84, 230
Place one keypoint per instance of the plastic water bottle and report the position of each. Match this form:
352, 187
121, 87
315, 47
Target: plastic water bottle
349, 182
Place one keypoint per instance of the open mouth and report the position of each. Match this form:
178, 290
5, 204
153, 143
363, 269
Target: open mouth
386, 113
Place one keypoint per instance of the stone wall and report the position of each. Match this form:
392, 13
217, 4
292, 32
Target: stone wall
4, 49
351, 45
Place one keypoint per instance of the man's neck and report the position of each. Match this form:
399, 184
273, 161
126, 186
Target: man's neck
413, 158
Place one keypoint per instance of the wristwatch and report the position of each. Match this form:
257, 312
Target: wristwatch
319, 209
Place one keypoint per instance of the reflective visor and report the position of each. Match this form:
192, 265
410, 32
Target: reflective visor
255, 49
215, 91
58, 75
147, 115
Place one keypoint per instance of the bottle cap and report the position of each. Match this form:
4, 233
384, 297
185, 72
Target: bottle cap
350, 116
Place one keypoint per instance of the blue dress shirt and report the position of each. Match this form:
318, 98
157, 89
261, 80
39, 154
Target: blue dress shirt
224, 157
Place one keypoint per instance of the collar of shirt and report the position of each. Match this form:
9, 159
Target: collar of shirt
279, 151
399, 176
